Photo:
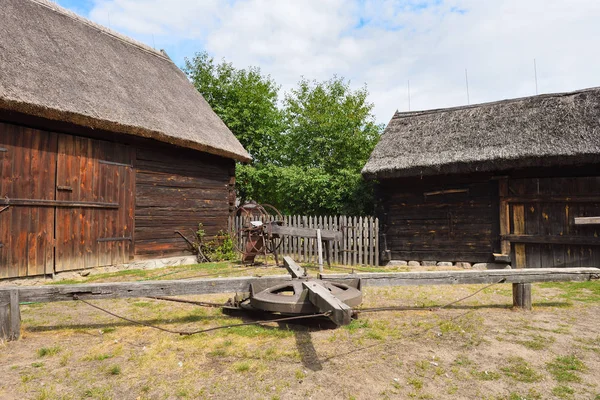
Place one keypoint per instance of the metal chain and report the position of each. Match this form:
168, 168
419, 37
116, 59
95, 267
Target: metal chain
404, 308
189, 333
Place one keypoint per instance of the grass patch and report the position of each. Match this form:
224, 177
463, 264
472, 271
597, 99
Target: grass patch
241, 366
485, 375
520, 370
563, 392
565, 369
537, 342
585, 292
357, 324
114, 370
97, 357
48, 351
416, 383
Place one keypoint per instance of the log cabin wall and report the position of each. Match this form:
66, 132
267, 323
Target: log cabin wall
176, 189
441, 218
95, 198
529, 216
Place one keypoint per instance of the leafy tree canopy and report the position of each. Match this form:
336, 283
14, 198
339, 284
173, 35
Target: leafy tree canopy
329, 126
244, 99
307, 154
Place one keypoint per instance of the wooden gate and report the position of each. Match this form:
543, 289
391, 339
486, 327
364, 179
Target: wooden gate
67, 202
538, 216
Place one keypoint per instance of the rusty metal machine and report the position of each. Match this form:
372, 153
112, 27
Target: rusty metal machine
302, 296
258, 229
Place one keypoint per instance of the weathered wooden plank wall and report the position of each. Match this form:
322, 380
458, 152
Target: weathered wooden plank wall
27, 171
440, 218
359, 245
542, 213
176, 189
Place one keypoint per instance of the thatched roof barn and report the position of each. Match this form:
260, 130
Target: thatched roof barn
105, 146
452, 181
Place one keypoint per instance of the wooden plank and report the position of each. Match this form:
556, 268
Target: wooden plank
418, 278
319, 250
360, 228
554, 199
587, 220
376, 241
306, 232
15, 315
344, 249
322, 298
56, 203
51, 293
522, 295
555, 239
519, 229
293, 268
504, 214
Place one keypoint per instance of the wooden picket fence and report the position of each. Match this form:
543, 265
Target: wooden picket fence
359, 246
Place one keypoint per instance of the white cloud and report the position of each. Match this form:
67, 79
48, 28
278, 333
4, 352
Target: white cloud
386, 43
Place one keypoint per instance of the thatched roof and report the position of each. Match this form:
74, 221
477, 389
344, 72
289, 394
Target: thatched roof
57, 65
544, 130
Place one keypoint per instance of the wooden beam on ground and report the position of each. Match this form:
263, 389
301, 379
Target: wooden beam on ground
91, 291
294, 269
587, 220
322, 298
468, 277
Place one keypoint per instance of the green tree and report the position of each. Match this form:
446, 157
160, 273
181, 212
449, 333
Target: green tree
330, 132
245, 100
329, 126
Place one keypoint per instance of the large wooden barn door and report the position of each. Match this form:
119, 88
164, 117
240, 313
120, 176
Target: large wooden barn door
27, 180
541, 229
95, 181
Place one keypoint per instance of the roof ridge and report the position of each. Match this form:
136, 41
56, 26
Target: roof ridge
107, 31
408, 114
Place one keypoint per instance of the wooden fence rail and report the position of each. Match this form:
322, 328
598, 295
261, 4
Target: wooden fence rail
359, 244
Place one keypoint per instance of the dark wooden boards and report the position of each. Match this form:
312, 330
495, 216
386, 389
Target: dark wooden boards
439, 218
176, 189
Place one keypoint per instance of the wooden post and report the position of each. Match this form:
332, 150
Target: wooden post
10, 317
4, 321
522, 295
320, 250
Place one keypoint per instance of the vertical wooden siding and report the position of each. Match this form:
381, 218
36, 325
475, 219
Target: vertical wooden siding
92, 171
542, 221
175, 190
27, 171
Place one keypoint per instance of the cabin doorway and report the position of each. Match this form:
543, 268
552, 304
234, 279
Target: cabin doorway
66, 202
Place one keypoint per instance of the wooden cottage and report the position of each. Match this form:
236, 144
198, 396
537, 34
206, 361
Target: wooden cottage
515, 180
106, 148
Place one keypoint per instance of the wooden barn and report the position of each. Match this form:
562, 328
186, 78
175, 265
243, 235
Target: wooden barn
106, 148
513, 181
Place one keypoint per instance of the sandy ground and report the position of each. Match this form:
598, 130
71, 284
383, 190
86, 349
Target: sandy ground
479, 348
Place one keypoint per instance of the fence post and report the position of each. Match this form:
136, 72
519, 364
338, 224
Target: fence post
376, 241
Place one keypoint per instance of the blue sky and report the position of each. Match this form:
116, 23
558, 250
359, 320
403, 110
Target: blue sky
380, 43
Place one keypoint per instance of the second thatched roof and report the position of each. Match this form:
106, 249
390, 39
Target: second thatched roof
544, 130
57, 65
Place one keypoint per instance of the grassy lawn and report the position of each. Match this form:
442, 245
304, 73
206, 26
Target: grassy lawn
479, 348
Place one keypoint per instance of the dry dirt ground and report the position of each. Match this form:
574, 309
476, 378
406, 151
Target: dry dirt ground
478, 348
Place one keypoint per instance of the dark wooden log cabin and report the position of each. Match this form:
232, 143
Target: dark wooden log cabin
515, 180
106, 148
